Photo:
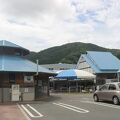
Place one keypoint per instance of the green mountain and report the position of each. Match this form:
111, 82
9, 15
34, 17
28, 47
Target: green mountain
68, 53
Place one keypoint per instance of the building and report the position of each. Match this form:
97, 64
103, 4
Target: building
59, 66
21, 79
56, 84
103, 64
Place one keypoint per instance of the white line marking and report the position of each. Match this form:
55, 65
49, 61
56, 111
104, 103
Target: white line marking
35, 110
23, 112
27, 110
102, 104
75, 107
70, 107
30, 112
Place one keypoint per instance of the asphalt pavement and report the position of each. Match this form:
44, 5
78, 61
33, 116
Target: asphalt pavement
70, 107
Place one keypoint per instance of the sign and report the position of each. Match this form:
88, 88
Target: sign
15, 92
28, 79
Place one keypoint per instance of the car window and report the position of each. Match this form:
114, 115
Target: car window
112, 87
104, 87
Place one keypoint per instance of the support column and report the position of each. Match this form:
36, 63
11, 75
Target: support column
118, 76
76, 86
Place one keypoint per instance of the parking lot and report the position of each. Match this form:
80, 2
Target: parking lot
70, 107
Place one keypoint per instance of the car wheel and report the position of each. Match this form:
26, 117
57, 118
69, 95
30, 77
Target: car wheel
96, 99
115, 100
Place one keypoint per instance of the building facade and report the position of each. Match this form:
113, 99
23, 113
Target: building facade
59, 66
103, 64
21, 79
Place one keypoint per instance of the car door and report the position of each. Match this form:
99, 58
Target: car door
102, 94
111, 91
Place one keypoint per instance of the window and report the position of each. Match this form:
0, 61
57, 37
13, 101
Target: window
104, 87
17, 52
12, 78
51, 69
112, 87
61, 68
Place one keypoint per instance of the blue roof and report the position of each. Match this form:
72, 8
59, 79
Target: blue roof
9, 44
93, 66
102, 62
13, 63
5, 43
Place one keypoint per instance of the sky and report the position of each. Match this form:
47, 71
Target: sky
40, 24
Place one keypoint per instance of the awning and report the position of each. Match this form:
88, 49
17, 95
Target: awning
75, 74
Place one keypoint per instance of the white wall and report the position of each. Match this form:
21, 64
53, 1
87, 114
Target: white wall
83, 65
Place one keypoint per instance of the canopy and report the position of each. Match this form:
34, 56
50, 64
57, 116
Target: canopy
75, 74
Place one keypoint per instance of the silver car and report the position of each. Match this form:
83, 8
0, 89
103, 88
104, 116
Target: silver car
108, 92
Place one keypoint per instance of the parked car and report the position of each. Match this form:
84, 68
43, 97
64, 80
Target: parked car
108, 92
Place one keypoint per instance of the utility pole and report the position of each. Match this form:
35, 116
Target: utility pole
36, 79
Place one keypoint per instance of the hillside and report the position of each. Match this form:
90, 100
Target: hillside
68, 53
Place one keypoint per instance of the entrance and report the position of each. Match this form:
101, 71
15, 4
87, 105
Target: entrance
38, 89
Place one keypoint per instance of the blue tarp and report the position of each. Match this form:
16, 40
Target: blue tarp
75, 74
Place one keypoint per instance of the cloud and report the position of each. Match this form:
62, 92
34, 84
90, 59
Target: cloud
39, 8
40, 24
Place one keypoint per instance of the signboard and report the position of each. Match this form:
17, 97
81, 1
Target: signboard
28, 79
15, 92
